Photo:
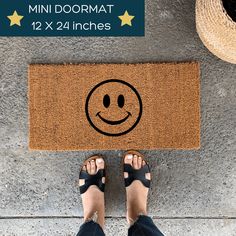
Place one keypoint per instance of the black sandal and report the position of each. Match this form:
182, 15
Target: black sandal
92, 179
134, 174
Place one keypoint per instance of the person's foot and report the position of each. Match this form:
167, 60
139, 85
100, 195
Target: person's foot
93, 199
136, 192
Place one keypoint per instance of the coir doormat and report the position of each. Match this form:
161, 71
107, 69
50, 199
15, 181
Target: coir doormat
114, 106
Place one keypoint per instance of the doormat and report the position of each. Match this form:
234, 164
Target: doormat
114, 106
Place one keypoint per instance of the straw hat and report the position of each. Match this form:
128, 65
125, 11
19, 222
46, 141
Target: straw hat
216, 29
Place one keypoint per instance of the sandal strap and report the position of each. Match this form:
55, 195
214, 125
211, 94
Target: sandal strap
139, 174
92, 180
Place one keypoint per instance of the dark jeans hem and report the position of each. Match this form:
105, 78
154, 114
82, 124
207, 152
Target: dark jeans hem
144, 226
90, 228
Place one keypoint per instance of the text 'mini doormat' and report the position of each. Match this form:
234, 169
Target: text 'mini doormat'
114, 106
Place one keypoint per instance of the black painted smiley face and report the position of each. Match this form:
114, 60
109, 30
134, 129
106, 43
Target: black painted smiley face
113, 107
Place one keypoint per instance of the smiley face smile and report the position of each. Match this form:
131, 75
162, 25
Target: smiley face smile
116, 122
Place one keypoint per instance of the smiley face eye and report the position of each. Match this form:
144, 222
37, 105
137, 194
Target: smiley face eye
121, 101
106, 101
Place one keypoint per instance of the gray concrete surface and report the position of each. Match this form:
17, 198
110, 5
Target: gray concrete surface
69, 227
193, 192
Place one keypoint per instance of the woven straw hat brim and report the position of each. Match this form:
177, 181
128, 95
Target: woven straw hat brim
216, 29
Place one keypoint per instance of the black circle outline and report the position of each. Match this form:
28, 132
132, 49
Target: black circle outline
117, 81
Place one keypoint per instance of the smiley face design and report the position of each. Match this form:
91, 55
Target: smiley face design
113, 107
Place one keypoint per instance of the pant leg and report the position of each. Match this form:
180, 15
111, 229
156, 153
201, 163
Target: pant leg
144, 226
90, 228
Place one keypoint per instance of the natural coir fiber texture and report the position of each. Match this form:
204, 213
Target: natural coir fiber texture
114, 106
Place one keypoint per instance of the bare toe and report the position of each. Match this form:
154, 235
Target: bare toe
100, 163
93, 167
88, 167
143, 163
139, 162
128, 159
135, 162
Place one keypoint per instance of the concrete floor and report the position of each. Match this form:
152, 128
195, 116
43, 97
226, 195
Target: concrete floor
193, 192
